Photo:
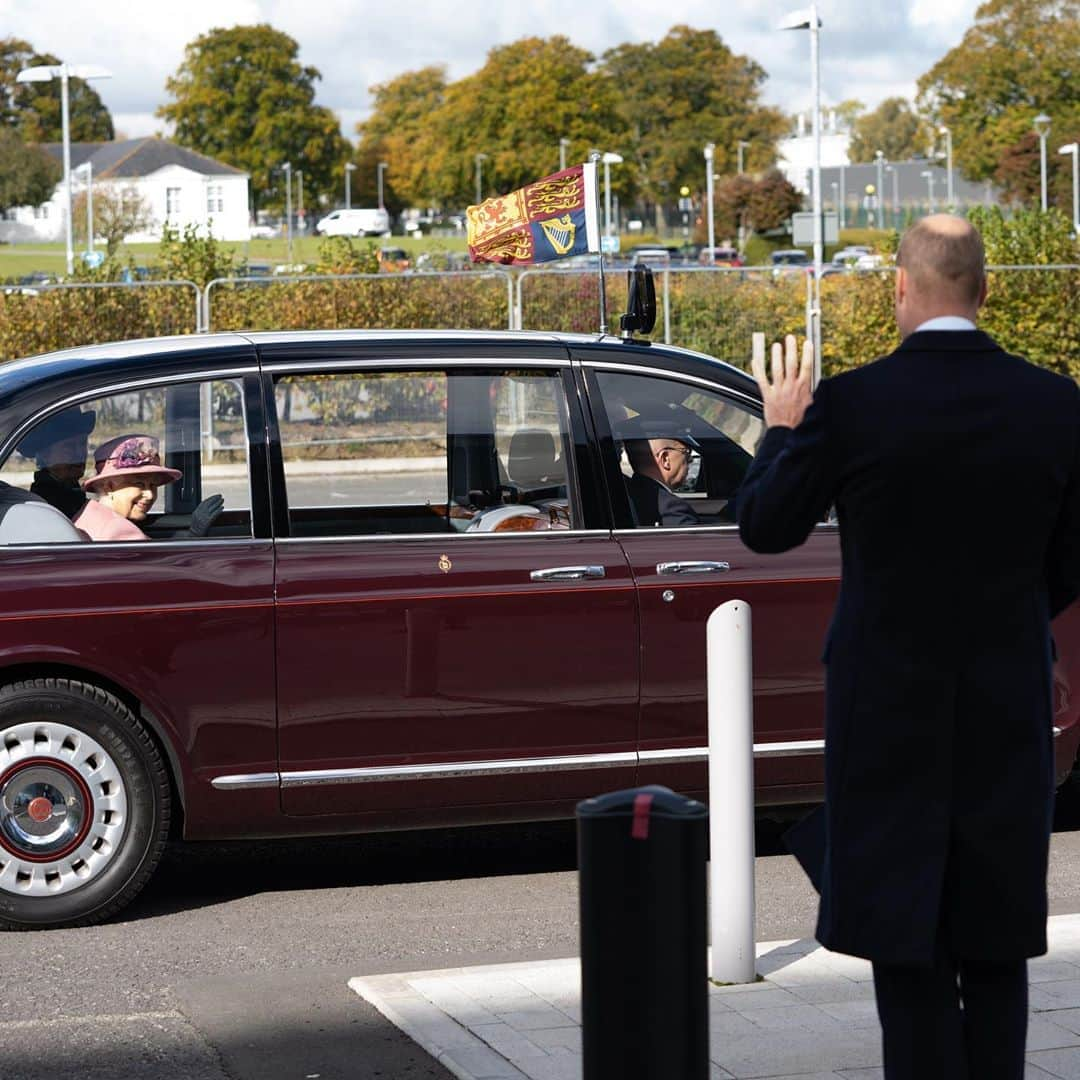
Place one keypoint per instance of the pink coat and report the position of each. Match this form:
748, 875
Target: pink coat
101, 523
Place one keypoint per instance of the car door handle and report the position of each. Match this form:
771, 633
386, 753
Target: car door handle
567, 573
693, 567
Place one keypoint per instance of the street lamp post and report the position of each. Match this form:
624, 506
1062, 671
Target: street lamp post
350, 168
879, 157
710, 149
843, 196
300, 199
1074, 149
63, 72
564, 145
287, 170
480, 159
928, 174
379, 169
807, 19
895, 196
1042, 129
740, 146
608, 159
943, 130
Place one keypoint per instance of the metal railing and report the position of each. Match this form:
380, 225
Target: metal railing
341, 301
43, 318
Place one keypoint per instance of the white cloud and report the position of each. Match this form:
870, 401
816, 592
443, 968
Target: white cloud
870, 48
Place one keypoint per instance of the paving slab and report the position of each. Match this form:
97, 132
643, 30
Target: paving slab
810, 1016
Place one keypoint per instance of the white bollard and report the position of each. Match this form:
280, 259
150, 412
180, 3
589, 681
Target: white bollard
731, 793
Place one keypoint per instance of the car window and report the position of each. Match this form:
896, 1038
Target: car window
716, 435
415, 452
189, 439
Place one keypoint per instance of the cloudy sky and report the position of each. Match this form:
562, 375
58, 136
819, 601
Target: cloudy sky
870, 49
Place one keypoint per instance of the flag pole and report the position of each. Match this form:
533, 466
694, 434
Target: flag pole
594, 157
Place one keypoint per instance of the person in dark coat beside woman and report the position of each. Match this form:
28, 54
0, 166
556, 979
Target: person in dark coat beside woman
954, 470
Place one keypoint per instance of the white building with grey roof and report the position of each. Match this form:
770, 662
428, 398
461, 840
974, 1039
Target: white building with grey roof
179, 186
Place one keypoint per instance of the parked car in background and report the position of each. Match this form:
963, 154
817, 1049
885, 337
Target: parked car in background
652, 255
790, 261
393, 259
720, 256
423, 535
368, 222
847, 256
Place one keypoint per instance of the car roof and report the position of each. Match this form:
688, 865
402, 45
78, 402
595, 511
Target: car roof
34, 383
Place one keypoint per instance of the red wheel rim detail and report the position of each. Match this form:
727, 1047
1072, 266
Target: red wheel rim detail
84, 825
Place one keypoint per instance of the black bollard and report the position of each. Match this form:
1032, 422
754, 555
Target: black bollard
644, 991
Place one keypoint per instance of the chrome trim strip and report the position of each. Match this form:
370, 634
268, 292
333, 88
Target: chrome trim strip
1057, 730
301, 366
240, 781
454, 769
503, 767
441, 538
686, 755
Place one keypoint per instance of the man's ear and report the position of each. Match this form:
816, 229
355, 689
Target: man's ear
982, 294
901, 284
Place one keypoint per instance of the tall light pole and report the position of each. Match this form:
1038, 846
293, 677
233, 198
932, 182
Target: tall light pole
710, 149
740, 146
843, 196
564, 145
928, 174
350, 168
943, 130
300, 198
287, 170
895, 196
64, 72
879, 157
1042, 129
608, 159
379, 170
1074, 149
807, 19
480, 159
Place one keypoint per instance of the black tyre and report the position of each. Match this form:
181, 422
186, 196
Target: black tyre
84, 804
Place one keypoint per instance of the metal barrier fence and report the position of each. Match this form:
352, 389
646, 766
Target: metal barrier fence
1034, 310
41, 318
469, 300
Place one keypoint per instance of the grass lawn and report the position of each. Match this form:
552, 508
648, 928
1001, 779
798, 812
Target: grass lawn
19, 259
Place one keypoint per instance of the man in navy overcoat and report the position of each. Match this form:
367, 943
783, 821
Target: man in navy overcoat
954, 469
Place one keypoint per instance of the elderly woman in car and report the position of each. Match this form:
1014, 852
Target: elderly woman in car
128, 473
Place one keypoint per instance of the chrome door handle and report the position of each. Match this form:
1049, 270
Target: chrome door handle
693, 567
567, 573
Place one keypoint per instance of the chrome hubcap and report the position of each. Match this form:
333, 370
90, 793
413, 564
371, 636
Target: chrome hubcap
63, 809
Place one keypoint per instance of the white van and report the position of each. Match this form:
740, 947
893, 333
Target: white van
354, 223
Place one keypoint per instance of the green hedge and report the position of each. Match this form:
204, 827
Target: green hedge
1034, 312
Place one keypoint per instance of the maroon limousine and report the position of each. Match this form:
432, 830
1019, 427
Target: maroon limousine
429, 598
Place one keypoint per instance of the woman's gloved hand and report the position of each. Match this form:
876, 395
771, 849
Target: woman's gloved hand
205, 514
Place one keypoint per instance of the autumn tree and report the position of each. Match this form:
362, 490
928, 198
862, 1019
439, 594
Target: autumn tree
1017, 60
242, 96
28, 176
34, 108
894, 128
399, 120
527, 96
680, 93
117, 214
756, 205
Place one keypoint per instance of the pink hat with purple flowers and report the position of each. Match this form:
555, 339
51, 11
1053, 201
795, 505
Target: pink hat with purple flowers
130, 455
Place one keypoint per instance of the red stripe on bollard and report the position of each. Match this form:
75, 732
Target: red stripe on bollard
639, 830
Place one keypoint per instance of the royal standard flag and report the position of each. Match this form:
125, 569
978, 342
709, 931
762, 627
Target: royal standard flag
549, 219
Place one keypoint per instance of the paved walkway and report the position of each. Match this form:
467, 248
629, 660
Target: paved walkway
811, 1018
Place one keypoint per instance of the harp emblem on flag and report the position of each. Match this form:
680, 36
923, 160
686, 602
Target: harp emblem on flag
560, 233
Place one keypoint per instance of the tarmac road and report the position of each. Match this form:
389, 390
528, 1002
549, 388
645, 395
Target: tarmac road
232, 964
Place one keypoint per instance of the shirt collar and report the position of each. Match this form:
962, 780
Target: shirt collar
946, 322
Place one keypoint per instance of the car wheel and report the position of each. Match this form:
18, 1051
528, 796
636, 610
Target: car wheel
84, 804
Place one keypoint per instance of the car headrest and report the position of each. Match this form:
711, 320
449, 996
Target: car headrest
532, 458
